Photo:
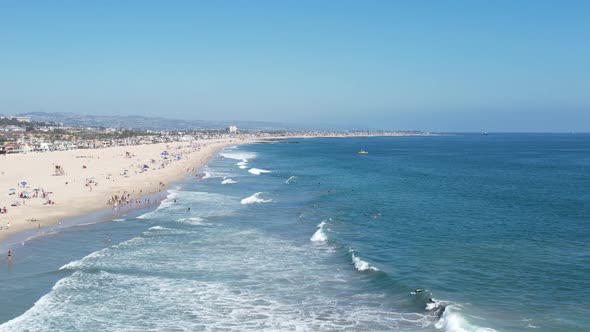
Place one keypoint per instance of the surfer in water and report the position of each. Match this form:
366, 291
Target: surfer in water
9, 255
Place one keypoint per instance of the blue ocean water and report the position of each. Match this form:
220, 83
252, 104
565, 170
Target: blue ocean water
308, 235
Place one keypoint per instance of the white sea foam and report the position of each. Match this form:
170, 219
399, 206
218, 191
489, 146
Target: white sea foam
159, 228
196, 221
91, 257
121, 288
228, 181
242, 163
360, 264
168, 201
202, 204
255, 199
452, 321
257, 171
290, 180
319, 235
244, 155
243, 166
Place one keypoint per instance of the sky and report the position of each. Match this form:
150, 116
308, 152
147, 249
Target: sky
415, 65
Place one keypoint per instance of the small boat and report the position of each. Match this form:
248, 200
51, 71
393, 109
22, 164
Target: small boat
363, 152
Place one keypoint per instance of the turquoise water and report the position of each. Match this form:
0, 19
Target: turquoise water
493, 229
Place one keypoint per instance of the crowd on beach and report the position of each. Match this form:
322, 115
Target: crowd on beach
23, 196
119, 200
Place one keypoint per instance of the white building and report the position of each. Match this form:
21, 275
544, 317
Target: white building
232, 129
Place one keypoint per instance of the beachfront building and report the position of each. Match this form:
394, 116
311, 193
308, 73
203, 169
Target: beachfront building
12, 128
232, 129
26, 119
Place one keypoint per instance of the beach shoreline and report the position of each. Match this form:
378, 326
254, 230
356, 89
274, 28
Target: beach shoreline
74, 199
92, 178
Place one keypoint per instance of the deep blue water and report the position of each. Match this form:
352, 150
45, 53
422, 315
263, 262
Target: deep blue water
493, 228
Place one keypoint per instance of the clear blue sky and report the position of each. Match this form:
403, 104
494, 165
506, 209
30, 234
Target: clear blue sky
429, 65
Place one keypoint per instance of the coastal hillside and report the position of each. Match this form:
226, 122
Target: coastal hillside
144, 122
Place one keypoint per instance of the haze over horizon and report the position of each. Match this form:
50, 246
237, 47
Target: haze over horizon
432, 66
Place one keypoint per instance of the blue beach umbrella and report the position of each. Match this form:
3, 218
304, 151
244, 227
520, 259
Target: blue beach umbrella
23, 183
11, 189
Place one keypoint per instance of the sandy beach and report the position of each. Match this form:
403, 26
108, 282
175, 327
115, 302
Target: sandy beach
40, 189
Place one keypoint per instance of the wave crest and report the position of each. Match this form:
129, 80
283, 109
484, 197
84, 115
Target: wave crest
257, 171
243, 156
229, 181
255, 199
319, 235
360, 264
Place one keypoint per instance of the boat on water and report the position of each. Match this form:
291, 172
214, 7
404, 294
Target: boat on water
363, 152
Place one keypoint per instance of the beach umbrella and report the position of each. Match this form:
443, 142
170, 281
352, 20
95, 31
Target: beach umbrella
24, 183
11, 189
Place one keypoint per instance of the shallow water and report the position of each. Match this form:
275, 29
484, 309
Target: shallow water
313, 236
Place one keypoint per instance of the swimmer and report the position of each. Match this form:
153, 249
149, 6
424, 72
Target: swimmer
9, 255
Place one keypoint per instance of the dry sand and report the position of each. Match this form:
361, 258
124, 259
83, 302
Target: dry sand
114, 171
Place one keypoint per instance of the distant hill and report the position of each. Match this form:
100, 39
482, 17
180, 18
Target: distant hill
144, 122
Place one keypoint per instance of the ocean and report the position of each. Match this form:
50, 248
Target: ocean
438, 233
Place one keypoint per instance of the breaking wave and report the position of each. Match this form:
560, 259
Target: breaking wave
257, 171
195, 221
319, 235
255, 199
450, 320
360, 264
243, 156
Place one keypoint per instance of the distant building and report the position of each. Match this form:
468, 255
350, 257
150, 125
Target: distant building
17, 118
232, 129
26, 119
